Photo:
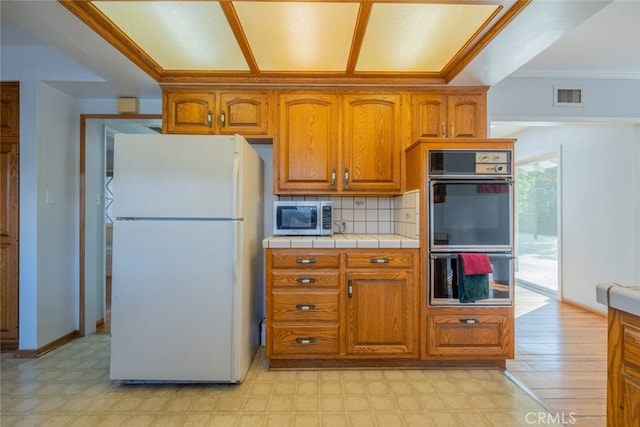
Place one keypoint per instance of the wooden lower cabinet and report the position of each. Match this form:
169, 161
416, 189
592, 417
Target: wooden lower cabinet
381, 305
303, 304
363, 308
623, 376
337, 304
470, 333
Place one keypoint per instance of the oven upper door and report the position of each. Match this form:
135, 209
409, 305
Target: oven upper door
470, 214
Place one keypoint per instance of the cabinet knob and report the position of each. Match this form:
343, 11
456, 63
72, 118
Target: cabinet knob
305, 280
305, 307
209, 119
223, 119
379, 260
333, 177
469, 321
306, 260
346, 176
305, 340
444, 129
453, 134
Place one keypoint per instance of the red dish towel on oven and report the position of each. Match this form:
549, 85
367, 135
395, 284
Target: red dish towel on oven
476, 263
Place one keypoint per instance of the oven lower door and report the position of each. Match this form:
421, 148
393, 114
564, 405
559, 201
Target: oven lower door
446, 280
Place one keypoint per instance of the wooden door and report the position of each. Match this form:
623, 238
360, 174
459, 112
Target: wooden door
306, 152
244, 113
428, 116
9, 196
467, 116
372, 143
187, 112
380, 313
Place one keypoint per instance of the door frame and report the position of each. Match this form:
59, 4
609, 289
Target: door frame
82, 197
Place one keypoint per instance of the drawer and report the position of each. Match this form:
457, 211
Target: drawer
469, 335
631, 345
380, 259
302, 259
305, 279
304, 306
308, 341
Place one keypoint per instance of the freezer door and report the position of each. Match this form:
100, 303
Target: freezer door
172, 301
175, 176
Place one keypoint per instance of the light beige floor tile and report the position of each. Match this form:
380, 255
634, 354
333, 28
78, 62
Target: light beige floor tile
62, 388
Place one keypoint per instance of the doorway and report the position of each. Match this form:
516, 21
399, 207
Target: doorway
96, 150
538, 223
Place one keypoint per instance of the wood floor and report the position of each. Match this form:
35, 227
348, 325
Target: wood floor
561, 357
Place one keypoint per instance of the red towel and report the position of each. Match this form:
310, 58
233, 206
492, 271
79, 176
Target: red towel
476, 264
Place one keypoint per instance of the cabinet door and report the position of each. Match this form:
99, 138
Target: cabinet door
428, 116
10, 162
306, 152
381, 313
188, 112
244, 113
631, 393
9, 116
466, 116
372, 143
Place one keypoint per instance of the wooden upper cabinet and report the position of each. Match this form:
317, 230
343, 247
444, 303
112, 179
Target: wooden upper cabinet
306, 153
245, 113
312, 157
9, 116
216, 113
441, 115
188, 112
372, 143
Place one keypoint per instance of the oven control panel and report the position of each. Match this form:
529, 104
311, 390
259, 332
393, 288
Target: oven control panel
492, 169
492, 157
492, 163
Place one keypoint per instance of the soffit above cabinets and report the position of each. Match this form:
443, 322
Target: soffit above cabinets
328, 42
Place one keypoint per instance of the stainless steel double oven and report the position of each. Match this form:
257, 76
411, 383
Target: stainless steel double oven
470, 210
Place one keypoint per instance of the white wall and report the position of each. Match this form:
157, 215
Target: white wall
57, 214
600, 175
528, 99
599, 215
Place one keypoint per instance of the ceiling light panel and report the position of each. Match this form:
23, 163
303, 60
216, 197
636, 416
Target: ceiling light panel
418, 37
191, 35
299, 36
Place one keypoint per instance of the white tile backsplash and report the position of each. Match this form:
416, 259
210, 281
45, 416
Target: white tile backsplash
374, 214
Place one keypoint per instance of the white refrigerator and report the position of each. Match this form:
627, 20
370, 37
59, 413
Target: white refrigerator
187, 258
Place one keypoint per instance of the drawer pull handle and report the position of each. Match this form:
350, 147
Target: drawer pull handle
306, 260
469, 321
379, 260
305, 306
305, 280
305, 340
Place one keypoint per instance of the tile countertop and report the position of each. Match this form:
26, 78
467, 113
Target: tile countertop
622, 297
341, 241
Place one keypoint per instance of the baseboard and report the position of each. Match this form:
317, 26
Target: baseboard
34, 353
584, 307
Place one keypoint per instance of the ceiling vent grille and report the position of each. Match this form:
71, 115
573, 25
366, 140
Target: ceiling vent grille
565, 97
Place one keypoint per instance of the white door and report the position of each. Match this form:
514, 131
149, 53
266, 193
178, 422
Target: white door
172, 300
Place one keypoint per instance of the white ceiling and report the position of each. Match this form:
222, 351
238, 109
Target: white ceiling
550, 38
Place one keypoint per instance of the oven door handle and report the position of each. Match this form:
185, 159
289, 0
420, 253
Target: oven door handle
483, 180
445, 255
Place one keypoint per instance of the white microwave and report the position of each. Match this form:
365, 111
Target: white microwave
298, 218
